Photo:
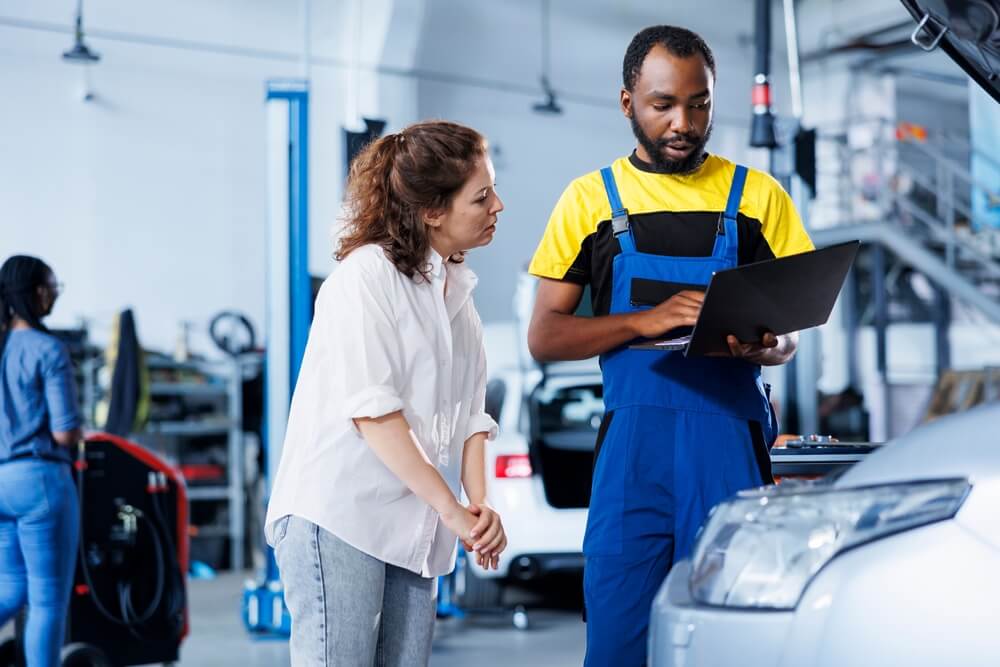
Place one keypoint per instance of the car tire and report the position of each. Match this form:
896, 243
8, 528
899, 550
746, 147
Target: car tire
9, 653
474, 592
83, 655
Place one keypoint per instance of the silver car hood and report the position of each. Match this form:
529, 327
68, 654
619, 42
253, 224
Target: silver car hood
962, 445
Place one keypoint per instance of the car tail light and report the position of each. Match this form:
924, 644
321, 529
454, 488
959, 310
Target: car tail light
513, 465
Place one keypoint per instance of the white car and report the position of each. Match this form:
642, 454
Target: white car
895, 562
538, 474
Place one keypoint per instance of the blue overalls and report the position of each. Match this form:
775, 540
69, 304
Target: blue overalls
676, 441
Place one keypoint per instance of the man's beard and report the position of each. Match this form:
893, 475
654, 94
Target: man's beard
665, 165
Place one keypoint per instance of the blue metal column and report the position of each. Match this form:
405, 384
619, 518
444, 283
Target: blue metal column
290, 314
300, 289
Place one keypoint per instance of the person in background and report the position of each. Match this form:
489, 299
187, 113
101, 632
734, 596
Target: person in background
39, 422
388, 415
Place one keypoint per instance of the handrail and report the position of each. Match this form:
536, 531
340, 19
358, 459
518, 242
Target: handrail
953, 242
949, 183
952, 166
916, 255
927, 183
964, 144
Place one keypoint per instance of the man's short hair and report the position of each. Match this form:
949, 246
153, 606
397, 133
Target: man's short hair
680, 42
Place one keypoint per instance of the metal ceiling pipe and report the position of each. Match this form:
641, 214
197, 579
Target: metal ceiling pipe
792, 46
762, 127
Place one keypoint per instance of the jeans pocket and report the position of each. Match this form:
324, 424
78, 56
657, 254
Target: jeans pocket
30, 486
281, 529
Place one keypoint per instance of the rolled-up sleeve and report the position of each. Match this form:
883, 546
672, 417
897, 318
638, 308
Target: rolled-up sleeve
479, 420
366, 352
60, 391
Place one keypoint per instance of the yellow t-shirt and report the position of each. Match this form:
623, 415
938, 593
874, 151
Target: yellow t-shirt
670, 214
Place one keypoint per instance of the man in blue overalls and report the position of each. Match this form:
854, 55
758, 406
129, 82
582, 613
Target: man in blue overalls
645, 235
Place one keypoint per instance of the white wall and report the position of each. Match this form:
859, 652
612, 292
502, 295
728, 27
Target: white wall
153, 195
540, 154
146, 197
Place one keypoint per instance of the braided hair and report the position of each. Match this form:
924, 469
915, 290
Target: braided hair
20, 278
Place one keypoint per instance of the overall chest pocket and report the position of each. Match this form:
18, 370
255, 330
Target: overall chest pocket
646, 292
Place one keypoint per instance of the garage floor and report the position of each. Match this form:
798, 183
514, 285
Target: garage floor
555, 637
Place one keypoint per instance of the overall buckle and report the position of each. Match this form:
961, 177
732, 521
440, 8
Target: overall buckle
619, 222
720, 226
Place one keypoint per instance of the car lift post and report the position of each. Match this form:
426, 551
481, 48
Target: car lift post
289, 310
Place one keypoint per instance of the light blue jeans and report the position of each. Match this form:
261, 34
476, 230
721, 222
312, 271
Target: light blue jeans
348, 608
39, 528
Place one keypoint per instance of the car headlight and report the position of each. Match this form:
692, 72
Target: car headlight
763, 547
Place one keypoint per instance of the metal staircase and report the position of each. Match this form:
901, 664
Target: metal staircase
968, 281
917, 205
910, 204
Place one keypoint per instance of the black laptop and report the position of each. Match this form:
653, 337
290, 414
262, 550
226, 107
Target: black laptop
779, 295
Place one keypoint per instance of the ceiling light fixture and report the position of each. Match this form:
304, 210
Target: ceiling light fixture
80, 52
550, 105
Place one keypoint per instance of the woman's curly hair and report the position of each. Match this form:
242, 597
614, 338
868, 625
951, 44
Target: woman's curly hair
396, 179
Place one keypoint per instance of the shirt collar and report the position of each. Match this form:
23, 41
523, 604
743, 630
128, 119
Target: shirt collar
437, 263
461, 280
642, 165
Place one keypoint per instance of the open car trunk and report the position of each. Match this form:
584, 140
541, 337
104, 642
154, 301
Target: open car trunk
564, 411
565, 415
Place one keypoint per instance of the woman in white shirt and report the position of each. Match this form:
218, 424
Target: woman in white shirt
387, 421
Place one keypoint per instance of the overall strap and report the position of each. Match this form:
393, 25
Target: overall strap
727, 241
619, 214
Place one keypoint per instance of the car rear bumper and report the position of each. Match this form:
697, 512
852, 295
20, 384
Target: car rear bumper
540, 538
529, 566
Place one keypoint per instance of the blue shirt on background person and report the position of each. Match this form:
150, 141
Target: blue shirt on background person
39, 423
37, 396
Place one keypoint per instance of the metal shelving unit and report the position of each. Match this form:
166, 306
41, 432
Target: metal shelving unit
226, 384
189, 428
223, 385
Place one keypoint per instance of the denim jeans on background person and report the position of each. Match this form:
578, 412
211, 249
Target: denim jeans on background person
39, 528
348, 608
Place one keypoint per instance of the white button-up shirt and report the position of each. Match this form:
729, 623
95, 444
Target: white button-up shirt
379, 343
